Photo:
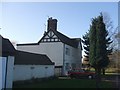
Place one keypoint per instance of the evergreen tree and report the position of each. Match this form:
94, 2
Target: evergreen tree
99, 43
92, 38
86, 41
86, 44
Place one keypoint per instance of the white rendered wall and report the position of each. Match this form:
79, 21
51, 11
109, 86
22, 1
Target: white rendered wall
10, 64
54, 50
2, 71
10, 72
73, 58
26, 72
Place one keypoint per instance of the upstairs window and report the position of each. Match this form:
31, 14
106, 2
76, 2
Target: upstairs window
67, 51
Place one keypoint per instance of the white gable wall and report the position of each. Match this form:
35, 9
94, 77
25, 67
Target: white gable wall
74, 57
54, 50
27, 72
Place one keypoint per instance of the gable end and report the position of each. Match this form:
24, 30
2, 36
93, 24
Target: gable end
49, 36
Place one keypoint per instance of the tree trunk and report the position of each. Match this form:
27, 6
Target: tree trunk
103, 71
98, 77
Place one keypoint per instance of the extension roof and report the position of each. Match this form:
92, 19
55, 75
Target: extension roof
6, 47
27, 58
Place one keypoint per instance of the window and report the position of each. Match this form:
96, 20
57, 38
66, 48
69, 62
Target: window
67, 51
46, 67
67, 66
32, 67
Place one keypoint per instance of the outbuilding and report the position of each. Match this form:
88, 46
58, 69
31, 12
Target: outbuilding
7, 56
30, 65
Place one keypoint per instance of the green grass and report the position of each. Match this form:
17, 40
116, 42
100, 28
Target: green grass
109, 70
70, 83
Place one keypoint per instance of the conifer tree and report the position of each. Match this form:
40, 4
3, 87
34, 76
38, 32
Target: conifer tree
86, 44
99, 43
92, 38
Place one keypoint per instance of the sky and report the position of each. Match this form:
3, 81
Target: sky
25, 22
59, 0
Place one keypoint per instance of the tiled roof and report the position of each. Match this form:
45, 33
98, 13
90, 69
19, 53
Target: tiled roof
6, 47
69, 41
27, 58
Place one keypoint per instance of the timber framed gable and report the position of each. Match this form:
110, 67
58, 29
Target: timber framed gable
49, 36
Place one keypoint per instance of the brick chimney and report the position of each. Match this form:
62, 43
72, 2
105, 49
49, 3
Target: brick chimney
52, 24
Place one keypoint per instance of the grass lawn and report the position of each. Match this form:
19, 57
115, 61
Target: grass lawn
66, 83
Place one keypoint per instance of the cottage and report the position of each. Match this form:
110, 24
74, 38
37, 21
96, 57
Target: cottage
31, 65
7, 53
64, 51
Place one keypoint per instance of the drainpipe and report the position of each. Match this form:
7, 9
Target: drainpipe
63, 59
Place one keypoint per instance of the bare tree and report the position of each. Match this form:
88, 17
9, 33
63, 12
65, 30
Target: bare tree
116, 39
113, 32
108, 22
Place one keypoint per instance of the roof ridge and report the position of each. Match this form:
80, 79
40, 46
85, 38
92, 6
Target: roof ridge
31, 53
66, 40
61, 33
